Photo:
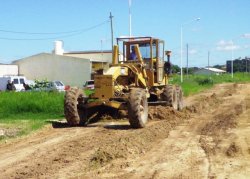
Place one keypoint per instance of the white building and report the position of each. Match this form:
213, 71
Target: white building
70, 70
100, 59
209, 71
8, 70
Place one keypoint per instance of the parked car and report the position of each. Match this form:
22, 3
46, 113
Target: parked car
56, 86
89, 84
49, 86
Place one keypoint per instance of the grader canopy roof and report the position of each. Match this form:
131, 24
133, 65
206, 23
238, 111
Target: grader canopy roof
148, 46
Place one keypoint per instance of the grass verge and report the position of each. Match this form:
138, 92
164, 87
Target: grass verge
193, 84
24, 112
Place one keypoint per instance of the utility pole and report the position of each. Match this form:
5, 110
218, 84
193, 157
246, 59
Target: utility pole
208, 56
112, 34
246, 63
130, 18
208, 59
187, 60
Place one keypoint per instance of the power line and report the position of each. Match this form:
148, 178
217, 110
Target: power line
70, 33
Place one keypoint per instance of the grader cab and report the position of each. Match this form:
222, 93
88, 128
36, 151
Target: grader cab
137, 77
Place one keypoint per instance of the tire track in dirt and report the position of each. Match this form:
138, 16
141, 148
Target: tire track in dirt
87, 151
181, 155
180, 152
33, 149
170, 141
222, 136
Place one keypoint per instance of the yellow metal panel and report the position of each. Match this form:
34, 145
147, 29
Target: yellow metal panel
115, 55
104, 86
97, 66
116, 71
150, 75
113, 104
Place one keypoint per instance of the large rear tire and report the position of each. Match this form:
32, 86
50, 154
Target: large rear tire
137, 108
74, 112
179, 98
170, 96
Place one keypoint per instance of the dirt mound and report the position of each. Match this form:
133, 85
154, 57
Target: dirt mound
231, 90
221, 123
210, 133
226, 119
137, 142
207, 144
233, 150
247, 101
203, 103
9, 132
165, 113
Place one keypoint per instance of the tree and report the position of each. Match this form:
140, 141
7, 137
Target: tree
175, 69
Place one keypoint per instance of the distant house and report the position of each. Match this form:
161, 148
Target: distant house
209, 71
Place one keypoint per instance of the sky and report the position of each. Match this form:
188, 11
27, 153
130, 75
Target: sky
29, 27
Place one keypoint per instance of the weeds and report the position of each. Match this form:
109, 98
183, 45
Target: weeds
196, 83
24, 112
31, 105
204, 81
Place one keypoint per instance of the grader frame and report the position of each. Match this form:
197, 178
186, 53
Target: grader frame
128, 84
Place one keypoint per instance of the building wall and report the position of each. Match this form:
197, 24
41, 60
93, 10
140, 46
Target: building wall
71, 71
8, 70
105, 57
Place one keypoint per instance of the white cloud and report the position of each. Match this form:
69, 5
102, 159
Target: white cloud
246, 46
196, 29
223, 45
193, 51
247, 36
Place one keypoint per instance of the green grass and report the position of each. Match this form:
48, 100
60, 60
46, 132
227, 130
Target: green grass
31, 105
196, 83
88, 92
24, 112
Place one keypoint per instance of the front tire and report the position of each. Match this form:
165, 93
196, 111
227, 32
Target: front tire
170, 96
179, 97
73, 111
137, 108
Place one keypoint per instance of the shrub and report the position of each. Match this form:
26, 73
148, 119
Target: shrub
204, 81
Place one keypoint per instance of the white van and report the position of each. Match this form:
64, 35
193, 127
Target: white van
90, 84
17, 80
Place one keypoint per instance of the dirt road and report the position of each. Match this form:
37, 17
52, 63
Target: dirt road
208, 139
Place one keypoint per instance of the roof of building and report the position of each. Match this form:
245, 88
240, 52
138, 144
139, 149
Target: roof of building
215, 70
88, 52
62, 56
46, 54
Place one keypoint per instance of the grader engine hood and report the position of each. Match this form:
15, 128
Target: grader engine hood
104, 87
105, 84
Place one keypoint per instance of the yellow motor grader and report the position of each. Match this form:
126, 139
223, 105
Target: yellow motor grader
131, 83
